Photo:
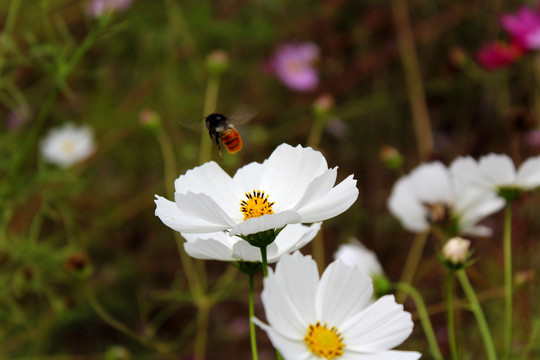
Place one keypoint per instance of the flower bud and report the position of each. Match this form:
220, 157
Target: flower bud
76, 262
150, 119
456, 250
217, 62
323, 104
390, 157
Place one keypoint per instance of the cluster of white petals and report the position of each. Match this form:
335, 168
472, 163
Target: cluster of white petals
67, 145
496, 171
354, 253
220, 246
432, 193
338, 306
456, 250
294, 182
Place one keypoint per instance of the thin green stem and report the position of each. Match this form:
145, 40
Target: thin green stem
413, 258
203, 310
532, 338
252, 335
8, 27
450, 315
478, 314
508, 280
424, 318
210, 104
264, 261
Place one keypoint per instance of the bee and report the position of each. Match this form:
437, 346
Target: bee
222, 131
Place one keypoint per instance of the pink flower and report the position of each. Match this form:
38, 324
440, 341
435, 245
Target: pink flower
97, 8
523, 27
293, 64
498, 54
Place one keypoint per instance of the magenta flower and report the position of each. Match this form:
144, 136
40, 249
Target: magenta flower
498, 54
293, 64
523, 27
97, 8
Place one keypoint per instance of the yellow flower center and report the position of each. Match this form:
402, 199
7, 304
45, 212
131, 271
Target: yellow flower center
68, 146
324, 342
256, 205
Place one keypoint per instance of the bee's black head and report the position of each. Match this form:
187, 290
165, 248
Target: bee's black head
214, 120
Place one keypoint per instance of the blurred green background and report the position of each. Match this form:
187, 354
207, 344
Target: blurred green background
82, 255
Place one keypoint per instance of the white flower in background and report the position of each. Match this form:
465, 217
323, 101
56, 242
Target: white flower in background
294, 185
498, 173
220, 246
356, 254
68, 145
97, 8
431, 196
456, 250
330, 317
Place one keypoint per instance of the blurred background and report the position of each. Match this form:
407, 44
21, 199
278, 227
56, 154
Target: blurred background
87, 271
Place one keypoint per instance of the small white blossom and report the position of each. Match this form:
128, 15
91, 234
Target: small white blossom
456, 250
68, 145
354, 253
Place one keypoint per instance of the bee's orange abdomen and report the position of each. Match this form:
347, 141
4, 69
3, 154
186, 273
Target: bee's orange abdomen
231, 140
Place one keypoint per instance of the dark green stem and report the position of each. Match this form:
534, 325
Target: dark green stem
253, 338
450, 316
508, 280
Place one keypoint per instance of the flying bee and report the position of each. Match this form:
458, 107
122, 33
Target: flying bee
222, 131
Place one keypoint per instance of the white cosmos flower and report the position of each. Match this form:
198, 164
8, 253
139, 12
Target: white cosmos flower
431, 196
496, 171
330, 317
68, 145
220, 246
294, 185
354, 253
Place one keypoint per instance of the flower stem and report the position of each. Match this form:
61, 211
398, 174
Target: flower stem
252, 335
203, 310
478, 313
424, 318
264, 260
412, 263
450, 315
210, 104
413, 78
508, 280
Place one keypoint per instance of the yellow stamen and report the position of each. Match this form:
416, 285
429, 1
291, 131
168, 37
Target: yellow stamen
256, 205
324, 342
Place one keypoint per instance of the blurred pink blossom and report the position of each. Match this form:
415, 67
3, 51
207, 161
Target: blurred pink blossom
523, 27
97, 8
294, 64
498, 54
532, 138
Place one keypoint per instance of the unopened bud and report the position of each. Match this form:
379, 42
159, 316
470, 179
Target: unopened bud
76, 262
217, 62
456, 250
390, 157
323, 104
150, 119
523, 277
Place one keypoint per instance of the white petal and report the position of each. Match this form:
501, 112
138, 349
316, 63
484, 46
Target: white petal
242, 250
287, 173
289, 300
498, 169
170, 215
210, 179
339, 199
356, 254
249, 176
479, 230
318, 187
381, 326
205, 208
293, 237
290, 349
343, 292
210, 249
468, 170
529, 173
265, 222
381, 355
404, 205
431, 183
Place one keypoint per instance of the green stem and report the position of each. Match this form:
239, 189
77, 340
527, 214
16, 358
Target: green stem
450, 315
413, 258
203, 310
264, 260
8, 27
251, 315
424, 318
478, 313
210, 104
508, 280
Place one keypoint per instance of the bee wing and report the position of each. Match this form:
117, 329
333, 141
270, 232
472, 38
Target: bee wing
193, 125
241, 119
